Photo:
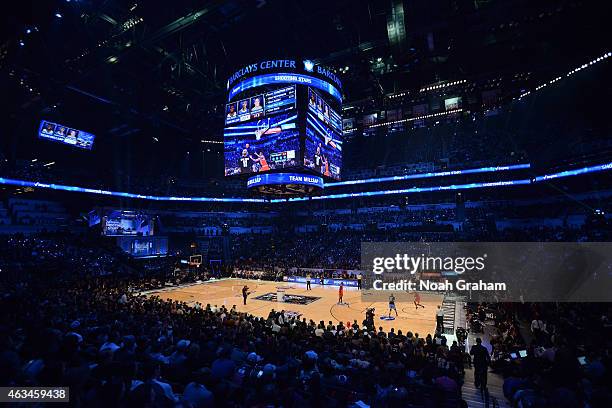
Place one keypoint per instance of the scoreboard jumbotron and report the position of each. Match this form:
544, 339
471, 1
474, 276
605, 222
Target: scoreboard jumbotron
283, 130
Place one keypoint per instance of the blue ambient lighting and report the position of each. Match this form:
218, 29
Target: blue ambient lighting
284, 78
566, 173
429, 175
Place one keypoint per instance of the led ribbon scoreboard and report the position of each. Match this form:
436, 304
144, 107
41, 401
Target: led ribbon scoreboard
283, 129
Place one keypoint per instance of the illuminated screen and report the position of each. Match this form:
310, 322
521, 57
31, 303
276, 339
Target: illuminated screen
285, 78
258, 106
144, 246
323, 148
262, 145
452, 103
323, 111
64, 134
119, 223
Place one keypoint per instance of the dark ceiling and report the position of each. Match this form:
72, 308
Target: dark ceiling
148, 78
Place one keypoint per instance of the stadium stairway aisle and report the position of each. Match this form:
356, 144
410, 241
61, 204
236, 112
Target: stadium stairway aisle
475, 398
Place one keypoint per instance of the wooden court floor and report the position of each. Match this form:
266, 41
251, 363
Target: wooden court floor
228, 292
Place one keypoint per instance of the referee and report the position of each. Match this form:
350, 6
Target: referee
245, 294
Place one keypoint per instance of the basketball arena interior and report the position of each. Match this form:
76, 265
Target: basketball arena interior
266, 203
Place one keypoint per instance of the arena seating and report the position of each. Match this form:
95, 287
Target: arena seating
87, 328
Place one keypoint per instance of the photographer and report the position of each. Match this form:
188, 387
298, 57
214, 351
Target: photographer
369, 319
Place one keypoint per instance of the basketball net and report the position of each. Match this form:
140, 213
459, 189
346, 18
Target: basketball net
262, 126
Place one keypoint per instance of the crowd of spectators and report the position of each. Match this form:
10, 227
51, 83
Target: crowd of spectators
341, 249
552, 354
73, 315
95, 333
23, 255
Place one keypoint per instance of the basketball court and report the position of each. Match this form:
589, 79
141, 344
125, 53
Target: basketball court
320, 303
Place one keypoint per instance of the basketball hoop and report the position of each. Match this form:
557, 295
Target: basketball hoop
195, 260
262, 126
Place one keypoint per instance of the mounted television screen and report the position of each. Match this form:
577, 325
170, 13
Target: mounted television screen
119, 223
144, 247
64, 134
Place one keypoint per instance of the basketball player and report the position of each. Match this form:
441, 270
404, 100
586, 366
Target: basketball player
232, 111
308, 278
317, 157
326, 165
392, 305
256, 106
71, 137
246, 161
340, 293
417, 301
48, 129
245, 293
263, 163
359, 278
244, 107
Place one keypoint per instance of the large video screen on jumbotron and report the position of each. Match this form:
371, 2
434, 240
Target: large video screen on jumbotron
322, 110
322, 147
259, 106
261, 145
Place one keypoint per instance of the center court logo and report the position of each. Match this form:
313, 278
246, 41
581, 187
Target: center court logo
308, 65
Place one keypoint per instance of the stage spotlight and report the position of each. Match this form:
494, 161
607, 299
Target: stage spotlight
58, 15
